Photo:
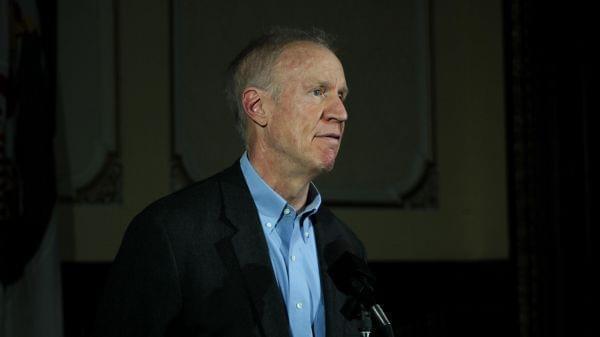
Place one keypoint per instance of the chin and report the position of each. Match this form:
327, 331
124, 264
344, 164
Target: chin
327, 164
324, 161
325, 168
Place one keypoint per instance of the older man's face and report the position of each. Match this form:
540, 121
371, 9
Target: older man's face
308, 115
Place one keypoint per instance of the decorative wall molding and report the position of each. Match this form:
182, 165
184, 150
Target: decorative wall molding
423, 194
106, 187
180, 178
89, 168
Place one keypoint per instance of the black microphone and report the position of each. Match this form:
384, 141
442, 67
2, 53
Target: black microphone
351, 275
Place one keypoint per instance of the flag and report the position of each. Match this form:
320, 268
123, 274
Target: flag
30, 293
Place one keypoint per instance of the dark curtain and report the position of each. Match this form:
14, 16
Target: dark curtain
550, 69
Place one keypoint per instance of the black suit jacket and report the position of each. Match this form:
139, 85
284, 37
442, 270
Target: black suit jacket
196, 263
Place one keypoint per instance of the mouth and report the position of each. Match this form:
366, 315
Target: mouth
331, 136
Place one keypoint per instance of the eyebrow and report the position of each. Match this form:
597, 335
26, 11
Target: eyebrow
343, 90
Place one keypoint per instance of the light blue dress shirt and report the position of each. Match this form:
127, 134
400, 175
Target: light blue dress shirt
293, 252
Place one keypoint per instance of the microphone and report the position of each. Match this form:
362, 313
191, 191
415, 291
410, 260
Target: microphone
351, 275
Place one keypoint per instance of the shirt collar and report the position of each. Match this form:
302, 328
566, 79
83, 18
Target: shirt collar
270, 203
313, 201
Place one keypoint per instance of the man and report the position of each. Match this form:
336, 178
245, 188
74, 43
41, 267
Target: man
243, 252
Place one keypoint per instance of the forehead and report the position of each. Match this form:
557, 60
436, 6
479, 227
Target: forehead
308, 59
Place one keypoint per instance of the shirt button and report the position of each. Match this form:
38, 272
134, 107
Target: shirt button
293, 257
269, 224
286, 211
299, 305
306, 235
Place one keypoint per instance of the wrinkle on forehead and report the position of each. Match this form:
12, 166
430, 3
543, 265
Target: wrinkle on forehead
296, 57
298, 53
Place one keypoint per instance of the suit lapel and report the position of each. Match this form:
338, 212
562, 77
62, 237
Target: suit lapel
250, 247
325, 234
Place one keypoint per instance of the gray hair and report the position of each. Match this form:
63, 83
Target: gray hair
254, 64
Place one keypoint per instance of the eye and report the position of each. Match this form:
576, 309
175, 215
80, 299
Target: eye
318, 92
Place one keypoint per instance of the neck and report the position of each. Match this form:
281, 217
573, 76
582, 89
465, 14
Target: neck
282, 177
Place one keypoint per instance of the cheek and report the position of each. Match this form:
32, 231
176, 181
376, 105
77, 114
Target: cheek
297, 121
303, 123
288, 132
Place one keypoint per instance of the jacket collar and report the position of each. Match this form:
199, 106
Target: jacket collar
251, 250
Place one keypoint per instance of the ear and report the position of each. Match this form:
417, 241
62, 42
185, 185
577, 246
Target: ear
253, 105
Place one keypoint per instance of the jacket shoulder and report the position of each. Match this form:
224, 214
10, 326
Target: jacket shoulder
198, 201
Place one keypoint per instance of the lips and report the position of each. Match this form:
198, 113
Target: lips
329, 135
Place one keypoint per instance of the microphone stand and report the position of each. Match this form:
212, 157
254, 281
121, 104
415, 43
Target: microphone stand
365, 323
384, 322
353, 309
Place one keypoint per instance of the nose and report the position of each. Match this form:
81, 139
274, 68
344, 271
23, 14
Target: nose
336, 110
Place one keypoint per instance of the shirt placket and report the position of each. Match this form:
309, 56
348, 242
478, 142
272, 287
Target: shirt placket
299, 296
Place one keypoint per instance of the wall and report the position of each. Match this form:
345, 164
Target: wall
471, 223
